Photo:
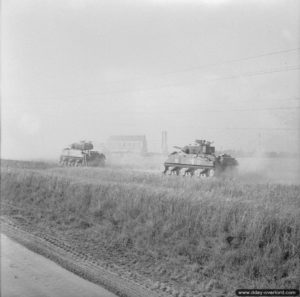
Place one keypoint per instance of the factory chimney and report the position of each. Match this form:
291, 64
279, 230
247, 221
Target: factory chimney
164, 142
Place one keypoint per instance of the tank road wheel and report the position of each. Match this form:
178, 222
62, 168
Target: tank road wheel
71, 162
61, 161
182, 171
189, 171
169, 171
203, 173
198, 172
210, 172
175, 170
166, 170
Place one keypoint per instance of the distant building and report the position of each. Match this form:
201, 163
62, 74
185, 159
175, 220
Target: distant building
127, 144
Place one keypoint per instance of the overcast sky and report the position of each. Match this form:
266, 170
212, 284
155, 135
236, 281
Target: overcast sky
223, 70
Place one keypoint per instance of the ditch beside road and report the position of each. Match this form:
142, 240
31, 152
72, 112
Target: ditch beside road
25, 273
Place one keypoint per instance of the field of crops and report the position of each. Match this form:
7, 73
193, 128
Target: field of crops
196, 235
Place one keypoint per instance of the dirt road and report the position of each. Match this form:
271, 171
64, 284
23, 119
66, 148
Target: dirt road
27, 274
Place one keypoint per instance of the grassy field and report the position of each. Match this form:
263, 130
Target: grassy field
200, 235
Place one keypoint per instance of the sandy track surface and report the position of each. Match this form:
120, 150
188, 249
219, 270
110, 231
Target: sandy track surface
81, 264
27, 274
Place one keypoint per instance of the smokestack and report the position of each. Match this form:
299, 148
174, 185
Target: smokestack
164, 142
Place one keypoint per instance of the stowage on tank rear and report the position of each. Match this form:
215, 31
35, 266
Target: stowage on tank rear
198, 159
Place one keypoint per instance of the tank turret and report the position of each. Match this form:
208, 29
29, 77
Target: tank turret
199, 147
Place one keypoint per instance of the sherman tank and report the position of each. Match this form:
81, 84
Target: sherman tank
81, 154
198, 159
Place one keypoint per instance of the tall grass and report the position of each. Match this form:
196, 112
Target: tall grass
6, 163
249, 233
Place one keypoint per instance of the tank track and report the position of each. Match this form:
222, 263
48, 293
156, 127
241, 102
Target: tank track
189, 170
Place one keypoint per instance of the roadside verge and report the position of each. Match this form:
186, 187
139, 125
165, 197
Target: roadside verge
78, 263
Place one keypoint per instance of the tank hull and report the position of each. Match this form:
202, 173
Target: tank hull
192, 160
72, 157
199, 165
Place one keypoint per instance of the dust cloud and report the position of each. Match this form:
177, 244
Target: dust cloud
256, 169
272, 170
